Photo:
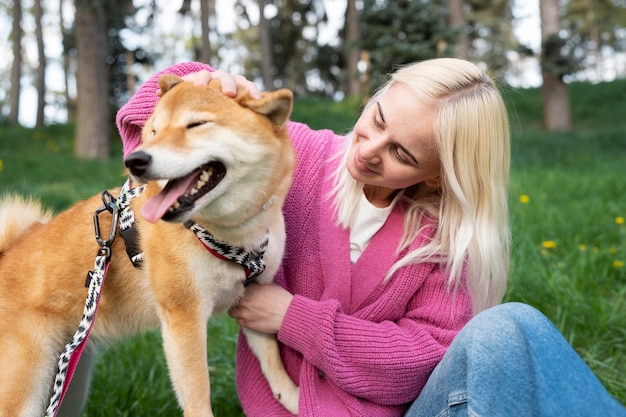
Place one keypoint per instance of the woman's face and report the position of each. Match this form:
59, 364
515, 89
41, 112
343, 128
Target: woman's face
394, 144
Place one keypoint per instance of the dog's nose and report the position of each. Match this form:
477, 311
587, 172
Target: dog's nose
138, 162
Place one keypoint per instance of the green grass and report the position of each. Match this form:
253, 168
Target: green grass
131, 378
324, 114
570, 243
41, 163
568, 256
569, 239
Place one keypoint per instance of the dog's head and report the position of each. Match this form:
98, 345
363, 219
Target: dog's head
212, 156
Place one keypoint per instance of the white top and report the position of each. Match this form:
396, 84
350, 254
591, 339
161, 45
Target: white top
368, 221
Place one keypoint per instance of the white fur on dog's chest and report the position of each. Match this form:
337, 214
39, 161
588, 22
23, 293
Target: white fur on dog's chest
213, 279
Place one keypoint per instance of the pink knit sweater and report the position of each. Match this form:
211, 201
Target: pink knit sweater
355, 345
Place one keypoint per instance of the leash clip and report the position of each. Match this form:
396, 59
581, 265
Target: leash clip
110, 205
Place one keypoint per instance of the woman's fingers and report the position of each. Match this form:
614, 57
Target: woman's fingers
199, 78
262, 308
230, 83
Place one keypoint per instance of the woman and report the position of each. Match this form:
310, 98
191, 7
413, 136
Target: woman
397, 233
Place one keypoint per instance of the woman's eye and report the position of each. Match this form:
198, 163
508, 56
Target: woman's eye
377, 123
399, 155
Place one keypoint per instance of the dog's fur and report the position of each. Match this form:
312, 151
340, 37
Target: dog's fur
44, 261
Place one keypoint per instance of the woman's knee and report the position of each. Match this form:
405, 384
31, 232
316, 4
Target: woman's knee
516, 315
505, 324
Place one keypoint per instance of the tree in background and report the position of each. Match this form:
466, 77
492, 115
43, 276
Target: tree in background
296, 58
294, 32
396, 32
207, 16
491, 33
93, 81
41, 65
16, 66
351, 50
202, 52
277, 42
120, 15
68, 41
595, 26
101, 72
458, 21
556, 106
483, 32
265, 42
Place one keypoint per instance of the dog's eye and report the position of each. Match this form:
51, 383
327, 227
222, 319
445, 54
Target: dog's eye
196, 124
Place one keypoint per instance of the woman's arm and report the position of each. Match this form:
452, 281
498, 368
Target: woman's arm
385, 362
133, 115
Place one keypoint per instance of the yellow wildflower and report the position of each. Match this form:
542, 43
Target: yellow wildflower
612, 251
619, 220
1, 165
618, 264
524, 199
549, 244
582, 247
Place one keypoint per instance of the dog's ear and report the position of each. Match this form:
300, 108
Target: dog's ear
167, 81
275, 105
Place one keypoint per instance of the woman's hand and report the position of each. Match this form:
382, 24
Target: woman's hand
262, 308
230, 83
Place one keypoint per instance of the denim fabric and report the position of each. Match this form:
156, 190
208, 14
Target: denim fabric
512, 361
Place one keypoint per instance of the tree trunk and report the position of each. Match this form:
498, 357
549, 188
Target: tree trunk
16, 66
70, 106
556, 106
267, 61
458, 22
205, 45
92, 128
41, 68
130, 76
352, 52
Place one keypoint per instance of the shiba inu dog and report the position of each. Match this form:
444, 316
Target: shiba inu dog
211, 164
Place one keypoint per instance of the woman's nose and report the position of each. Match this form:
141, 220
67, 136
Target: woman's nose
370, 150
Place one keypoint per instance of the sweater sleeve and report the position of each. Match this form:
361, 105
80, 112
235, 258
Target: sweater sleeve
386, 362
133, 115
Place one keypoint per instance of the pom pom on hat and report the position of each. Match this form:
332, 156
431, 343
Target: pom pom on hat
133, 115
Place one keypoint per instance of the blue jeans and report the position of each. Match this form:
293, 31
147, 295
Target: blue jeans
512, 361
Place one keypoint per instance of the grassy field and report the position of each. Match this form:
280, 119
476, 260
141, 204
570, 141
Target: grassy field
567, 202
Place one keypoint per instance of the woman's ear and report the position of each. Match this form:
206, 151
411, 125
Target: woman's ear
434, 182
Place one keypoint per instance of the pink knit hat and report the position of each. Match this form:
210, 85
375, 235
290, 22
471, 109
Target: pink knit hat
133, 115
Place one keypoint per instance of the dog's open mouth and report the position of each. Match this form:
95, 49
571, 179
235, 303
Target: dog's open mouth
180, 194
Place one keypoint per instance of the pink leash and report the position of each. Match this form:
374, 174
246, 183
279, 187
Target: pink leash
73, 350
68, 360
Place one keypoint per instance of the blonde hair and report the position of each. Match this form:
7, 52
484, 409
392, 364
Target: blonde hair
472, 138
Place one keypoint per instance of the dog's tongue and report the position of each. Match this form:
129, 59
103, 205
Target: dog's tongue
156, 206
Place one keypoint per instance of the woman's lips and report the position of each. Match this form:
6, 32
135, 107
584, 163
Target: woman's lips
361, 165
